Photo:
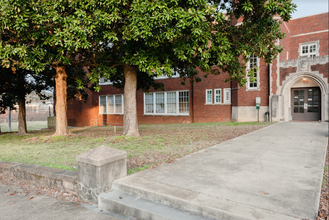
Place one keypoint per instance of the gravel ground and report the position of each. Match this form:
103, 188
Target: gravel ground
324, 200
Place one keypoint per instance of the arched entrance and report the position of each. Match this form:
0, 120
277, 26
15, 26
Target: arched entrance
304, 97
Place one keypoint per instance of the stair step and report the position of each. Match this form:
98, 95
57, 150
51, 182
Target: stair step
134, 206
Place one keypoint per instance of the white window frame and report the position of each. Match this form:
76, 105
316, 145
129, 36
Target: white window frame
102, 81
225, 100
164, 76
308, 44
165, 104
209, 90
257, 78
114, 108
215, 96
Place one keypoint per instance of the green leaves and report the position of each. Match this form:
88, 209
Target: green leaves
156, 36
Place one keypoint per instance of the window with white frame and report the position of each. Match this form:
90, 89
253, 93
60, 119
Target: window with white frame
309, 49
111, 104
218, 96
167, 103
164, 76
253, 65
103, 81
227, 96
208, 96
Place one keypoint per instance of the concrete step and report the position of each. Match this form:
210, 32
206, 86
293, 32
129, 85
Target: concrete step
134, 206
143, 195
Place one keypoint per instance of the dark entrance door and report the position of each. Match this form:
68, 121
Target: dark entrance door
306, 104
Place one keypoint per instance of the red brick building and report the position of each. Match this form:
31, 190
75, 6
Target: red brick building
293, 87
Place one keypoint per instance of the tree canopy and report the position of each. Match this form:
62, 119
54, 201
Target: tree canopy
137, 37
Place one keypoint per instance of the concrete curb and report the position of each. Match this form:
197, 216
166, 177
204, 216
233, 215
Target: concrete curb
63, 180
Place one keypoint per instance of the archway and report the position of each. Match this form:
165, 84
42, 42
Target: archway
296, 80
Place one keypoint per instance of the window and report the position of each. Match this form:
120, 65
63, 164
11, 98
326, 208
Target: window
148, 103
111, 104
184, 103
309, 49
208, 96
171, 103
253, 65
102, 81
160, 102
167, 103
227, 96
164, 76
218, 96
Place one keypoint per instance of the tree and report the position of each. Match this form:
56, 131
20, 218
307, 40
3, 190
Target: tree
54, 33
17, 84
139, 36
157, 37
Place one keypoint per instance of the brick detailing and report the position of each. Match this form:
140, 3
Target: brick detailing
284, 72
323, 69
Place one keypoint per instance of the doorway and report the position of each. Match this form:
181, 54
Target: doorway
306, 104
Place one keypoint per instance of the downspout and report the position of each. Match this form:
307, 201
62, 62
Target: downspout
192, 98
269, 92
231, 100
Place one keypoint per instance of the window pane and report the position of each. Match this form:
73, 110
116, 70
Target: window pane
312, 48
301, 109
228, 96
184, 105
102, 104
149, 103
159, 100
305, 49
110, 104
171, 102
118, 104
218, 96
209, 96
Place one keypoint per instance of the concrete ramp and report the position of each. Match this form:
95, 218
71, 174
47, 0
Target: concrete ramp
273, 173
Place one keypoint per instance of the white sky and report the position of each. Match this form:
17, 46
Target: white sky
309, 7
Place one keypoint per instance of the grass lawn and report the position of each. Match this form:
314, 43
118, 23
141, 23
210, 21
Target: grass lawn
31, 125
158, 143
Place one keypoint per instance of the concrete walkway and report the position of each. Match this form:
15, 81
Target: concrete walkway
273, 173
19, 207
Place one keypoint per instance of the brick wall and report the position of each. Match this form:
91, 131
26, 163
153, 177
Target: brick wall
309, 24
323, 69
82, 114
242, 97
284, 72
321, 37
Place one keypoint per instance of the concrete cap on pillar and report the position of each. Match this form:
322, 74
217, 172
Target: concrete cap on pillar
101, 155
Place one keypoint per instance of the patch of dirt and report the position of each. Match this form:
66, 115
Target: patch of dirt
324, 200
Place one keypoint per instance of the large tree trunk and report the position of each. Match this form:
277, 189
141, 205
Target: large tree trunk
130, 108
21, 115
61, 102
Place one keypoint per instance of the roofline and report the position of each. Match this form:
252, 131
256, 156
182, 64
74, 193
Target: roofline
310, 15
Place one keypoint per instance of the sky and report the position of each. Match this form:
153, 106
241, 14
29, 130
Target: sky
309, 7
